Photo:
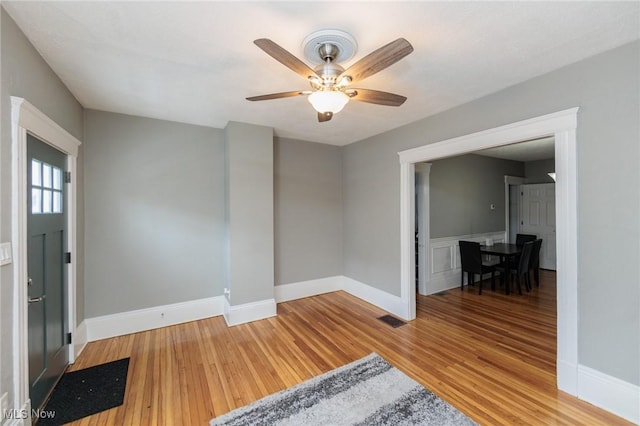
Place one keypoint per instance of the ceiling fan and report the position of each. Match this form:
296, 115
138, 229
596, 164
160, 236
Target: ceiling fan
330, 82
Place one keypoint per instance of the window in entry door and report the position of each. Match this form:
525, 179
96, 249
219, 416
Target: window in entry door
46, 188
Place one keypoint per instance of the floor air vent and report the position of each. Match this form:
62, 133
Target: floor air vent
392, 321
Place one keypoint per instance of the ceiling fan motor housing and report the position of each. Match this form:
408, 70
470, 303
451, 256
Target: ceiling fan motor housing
329, 72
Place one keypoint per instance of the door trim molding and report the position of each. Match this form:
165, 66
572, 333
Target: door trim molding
423, 172
25, 118
562, 125
508, 181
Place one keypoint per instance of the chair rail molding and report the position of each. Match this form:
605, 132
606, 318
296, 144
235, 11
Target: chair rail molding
562, 125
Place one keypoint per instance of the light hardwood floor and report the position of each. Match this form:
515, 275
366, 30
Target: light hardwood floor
491, 356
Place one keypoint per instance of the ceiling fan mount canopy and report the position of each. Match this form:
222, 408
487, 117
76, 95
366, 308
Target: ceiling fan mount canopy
342, 46
329, 81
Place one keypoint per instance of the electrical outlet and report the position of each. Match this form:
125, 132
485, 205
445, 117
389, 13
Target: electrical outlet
4, 404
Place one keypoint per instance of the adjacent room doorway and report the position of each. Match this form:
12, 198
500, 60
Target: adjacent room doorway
562, 126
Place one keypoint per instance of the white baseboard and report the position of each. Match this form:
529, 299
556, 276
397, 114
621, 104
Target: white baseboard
381, 299
79, 339
247, 312
443, 282
567, 377
129, 322
302, 289
450, 280
609, 393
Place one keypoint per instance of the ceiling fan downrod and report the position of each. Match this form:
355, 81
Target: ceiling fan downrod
328, 70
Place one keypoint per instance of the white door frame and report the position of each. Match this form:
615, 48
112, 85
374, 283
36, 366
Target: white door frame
422, 211
25, 118
508, 181
563, 126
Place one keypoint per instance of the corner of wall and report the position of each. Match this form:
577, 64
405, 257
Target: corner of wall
248, 312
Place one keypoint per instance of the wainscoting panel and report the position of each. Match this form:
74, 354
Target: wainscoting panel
444, 259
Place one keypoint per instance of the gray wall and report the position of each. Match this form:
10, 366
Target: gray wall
461, 190
154, 212
249, 212
24, 74
537, 171
606, 88
308, 210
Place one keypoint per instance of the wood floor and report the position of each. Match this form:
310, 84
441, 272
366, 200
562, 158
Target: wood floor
491, 356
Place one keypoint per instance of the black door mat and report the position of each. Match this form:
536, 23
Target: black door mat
392, 321
85, 392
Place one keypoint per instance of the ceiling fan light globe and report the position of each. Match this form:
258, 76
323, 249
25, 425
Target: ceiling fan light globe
328, 101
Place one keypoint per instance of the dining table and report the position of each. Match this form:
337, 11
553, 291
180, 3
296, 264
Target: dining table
506, 252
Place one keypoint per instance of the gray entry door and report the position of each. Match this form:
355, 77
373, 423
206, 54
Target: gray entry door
47, 285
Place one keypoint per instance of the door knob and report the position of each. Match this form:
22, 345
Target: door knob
37, 299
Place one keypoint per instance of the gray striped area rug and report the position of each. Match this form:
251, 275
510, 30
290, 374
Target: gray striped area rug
369, 391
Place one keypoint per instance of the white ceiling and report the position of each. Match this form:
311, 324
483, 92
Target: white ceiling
196, 62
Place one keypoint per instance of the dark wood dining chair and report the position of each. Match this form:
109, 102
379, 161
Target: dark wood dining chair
471, 262
519, 269
523, 238
520, 240
534, 261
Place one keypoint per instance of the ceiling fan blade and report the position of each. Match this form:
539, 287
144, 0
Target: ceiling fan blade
379, 59
324, 116
278, 95
376, 97
284, 57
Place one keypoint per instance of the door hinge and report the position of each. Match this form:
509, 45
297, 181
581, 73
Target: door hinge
67, 257
69, 338
67, 177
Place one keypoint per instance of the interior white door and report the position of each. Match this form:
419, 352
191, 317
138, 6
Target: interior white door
538, 216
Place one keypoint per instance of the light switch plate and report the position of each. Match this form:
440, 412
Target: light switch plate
5, 254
